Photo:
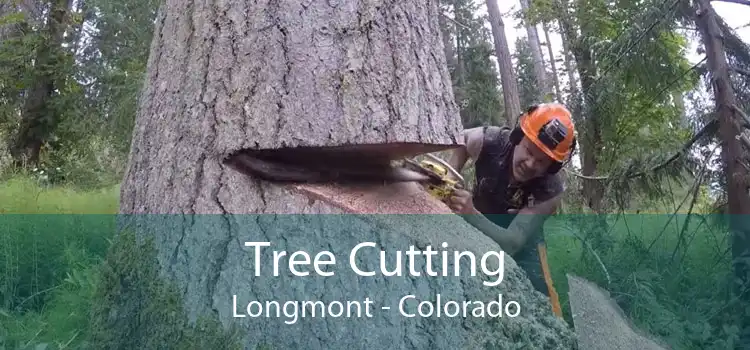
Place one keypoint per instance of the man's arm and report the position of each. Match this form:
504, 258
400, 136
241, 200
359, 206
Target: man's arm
548, 197
473, 139
510, 241
527, 223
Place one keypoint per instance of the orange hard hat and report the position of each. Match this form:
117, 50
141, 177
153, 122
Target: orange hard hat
550, 127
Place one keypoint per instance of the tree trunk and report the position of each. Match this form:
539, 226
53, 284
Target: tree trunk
536, 54
569, 68
460, 44
733, 156
679, 103
38, 117
589, 130
553, 64
507, 76
311, 75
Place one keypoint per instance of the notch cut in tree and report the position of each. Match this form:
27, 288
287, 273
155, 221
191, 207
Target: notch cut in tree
292, 81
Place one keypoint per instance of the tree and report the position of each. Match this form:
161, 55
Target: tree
475, 84
38, 115
530, 90
734, 157
552, 62
502, 53
535, 47
319, 81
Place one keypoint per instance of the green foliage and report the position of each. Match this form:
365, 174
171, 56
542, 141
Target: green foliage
91, 112
528, 87
670, 275
116, 61
16, 71
136, 309
61, 276
47, 262
475, 79
482, 106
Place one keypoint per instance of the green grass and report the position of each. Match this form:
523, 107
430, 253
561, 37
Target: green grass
21, 195
47, 262
49, 275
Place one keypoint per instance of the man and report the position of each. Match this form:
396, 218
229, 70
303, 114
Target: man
516, 173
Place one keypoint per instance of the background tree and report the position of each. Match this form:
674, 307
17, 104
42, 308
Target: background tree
530, 91
475, 82
502, 53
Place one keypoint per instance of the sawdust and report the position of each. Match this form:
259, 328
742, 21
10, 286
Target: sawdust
396, 198
599, 321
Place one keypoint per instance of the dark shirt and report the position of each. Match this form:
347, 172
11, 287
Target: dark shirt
493, 194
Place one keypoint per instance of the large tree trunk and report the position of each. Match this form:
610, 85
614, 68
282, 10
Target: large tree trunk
733, 156
312, 75
511, 97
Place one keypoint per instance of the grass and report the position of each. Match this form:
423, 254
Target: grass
21, 195
49, 275
47, 262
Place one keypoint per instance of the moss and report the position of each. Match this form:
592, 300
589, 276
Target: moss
134, 308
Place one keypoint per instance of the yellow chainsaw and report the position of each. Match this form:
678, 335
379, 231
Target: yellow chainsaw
442, 180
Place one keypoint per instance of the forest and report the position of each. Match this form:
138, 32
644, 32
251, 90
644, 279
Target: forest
656, 195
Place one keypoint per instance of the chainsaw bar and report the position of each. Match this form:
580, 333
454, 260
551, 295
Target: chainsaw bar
323, 171
320, 165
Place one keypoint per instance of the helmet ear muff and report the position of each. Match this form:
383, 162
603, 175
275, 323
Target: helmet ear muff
516, 135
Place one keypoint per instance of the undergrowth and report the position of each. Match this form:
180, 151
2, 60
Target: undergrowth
671, 278
62, 277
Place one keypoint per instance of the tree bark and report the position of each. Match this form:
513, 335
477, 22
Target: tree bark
733, 156
353, 75
313, 74
508, 80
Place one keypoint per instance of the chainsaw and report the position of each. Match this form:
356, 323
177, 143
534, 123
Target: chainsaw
331, 165
442, 180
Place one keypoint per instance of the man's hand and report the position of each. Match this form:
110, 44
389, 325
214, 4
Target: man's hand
461, 202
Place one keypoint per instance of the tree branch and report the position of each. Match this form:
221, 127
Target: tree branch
453, 20
745, 119
707, 129
741, 2
744, 72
